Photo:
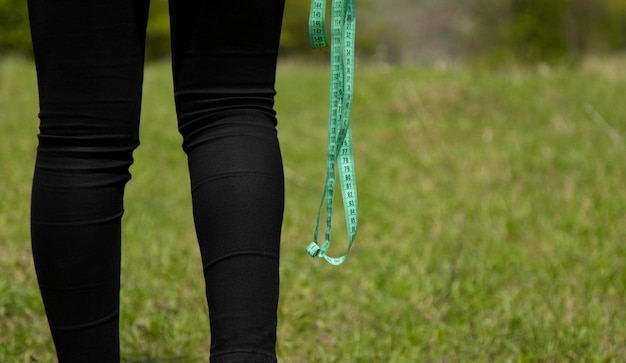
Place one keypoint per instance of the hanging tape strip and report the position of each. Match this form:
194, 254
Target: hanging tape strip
339, 153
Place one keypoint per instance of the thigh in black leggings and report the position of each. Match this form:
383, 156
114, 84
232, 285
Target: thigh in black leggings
89, 57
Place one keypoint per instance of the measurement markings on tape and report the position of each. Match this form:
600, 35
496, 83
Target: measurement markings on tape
339, 154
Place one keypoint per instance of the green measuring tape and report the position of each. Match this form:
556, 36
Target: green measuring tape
339, 154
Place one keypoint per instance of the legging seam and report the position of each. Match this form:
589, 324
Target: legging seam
74, 288
214, 261
231, 174
88, 325
81, 223
252, 352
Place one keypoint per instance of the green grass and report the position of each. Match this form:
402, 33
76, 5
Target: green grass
492, 221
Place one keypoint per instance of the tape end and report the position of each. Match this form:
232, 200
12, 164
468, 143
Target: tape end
314, 250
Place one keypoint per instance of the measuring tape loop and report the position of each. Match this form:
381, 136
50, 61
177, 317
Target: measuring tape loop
339, 158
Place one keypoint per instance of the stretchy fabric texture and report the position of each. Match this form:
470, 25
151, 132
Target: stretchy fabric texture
89, 58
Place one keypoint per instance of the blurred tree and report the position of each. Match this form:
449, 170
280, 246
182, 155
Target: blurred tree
547, 31
602, 24
536, 29
402, 31
158, 32
295, 32
294, 37
14, 31
528, 30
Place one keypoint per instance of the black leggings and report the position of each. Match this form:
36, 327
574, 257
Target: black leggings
89, 57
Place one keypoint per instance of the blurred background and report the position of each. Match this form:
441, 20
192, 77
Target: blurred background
421, 31
492, 196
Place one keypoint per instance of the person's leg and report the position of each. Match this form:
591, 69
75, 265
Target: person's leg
224, 64
89, 60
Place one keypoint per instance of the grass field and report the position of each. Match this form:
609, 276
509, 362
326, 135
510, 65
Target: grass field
492, 221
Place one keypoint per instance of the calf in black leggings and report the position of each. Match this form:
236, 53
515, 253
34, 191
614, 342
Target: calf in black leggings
89, 58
